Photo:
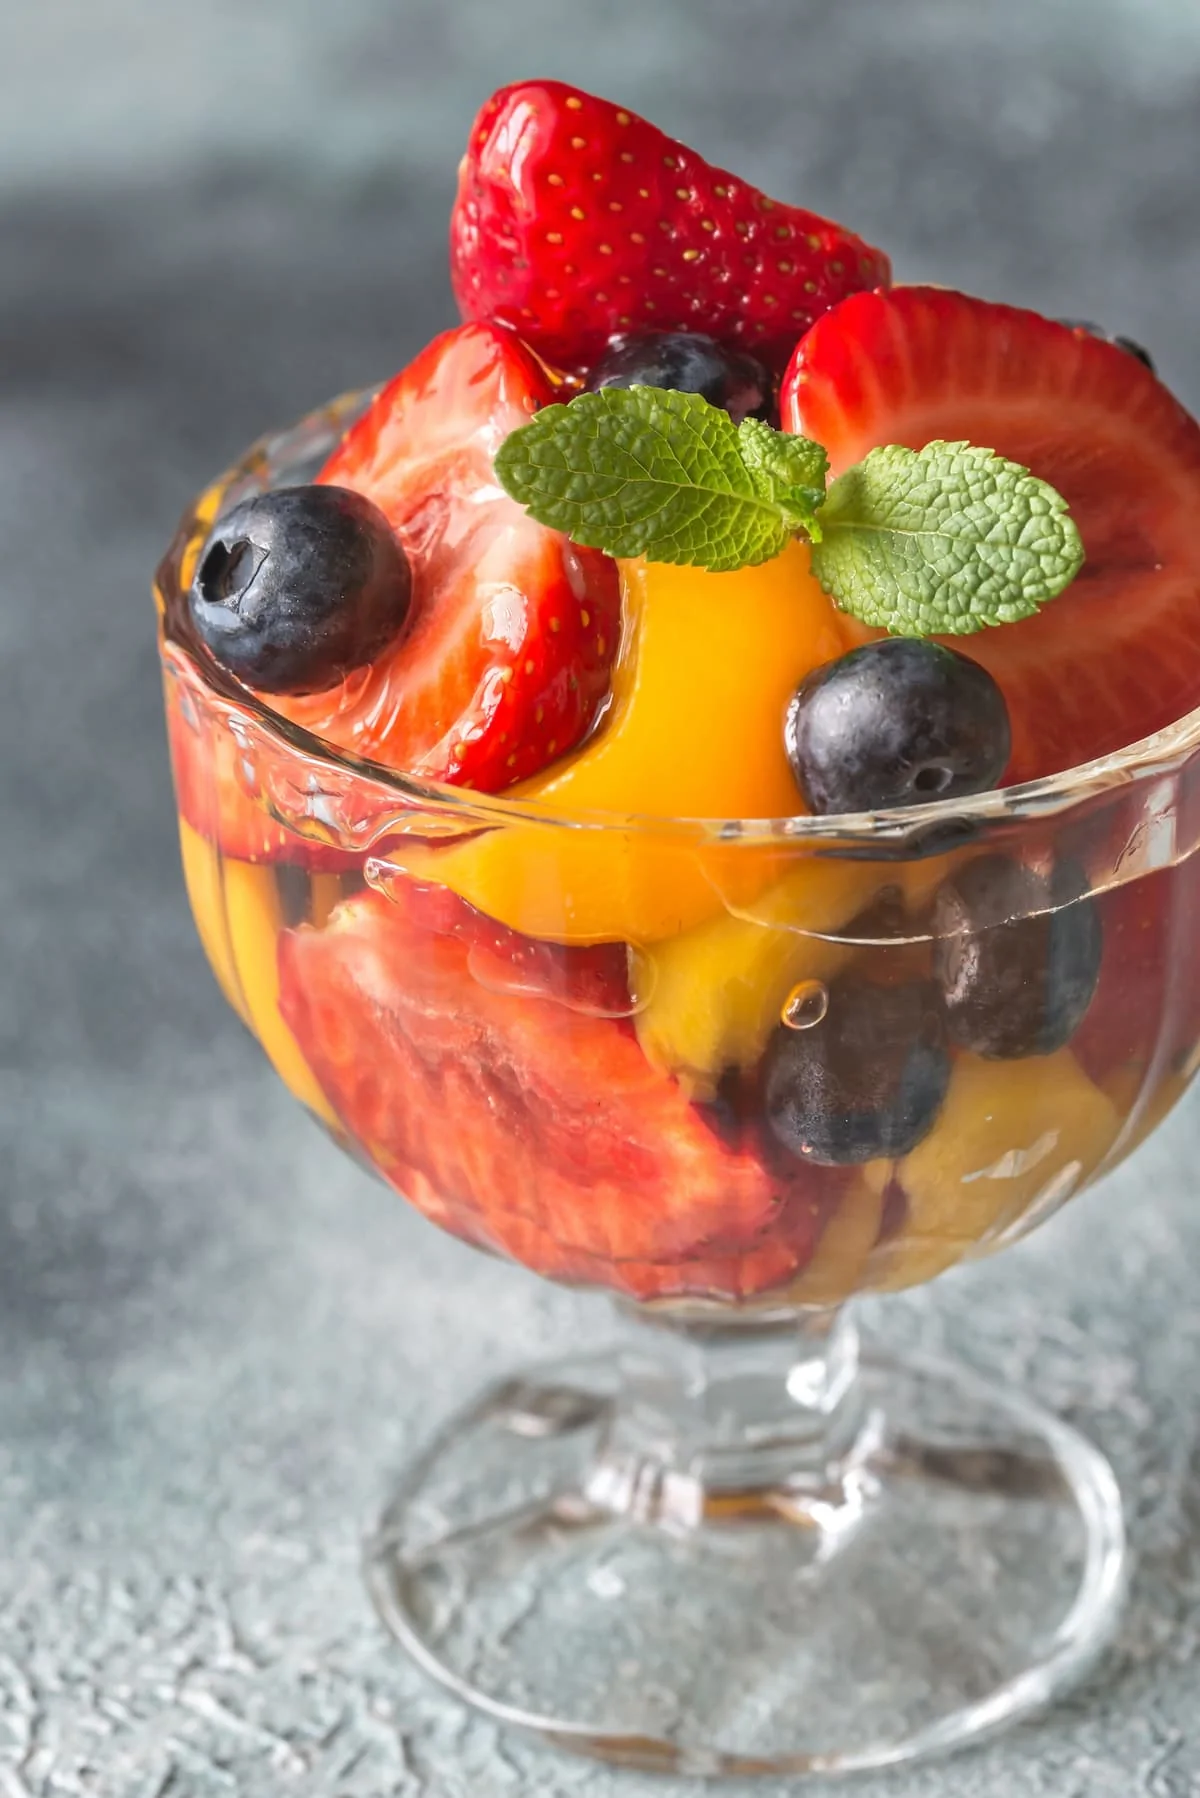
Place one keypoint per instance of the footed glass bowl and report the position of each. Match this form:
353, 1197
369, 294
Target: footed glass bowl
735, 1072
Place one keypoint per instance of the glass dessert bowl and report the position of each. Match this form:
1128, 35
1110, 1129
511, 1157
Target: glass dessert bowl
732, 1546
584, 802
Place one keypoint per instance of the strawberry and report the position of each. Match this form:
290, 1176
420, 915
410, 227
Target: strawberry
593, 981
1122, 1026
575, 220
1118, 654
528, 1126
230, 794
1146, 1012
514, 629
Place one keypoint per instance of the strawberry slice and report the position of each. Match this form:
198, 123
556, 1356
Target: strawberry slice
529, 1126
228, 793
576, 219
1118, 654
592, 980
1146, 1012
514, 629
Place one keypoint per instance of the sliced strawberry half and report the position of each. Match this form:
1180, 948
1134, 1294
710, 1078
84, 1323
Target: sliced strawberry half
593, 981
529, 1126
1146, 1012
514, 628
225, 791
576, 219
1118, 654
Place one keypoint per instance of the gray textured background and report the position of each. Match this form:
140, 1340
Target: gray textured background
217, 1337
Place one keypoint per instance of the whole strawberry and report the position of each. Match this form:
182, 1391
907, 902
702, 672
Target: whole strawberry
576, 219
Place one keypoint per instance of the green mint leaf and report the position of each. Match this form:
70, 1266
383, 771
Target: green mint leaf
644, 471
792, 471
938, 541
943, 541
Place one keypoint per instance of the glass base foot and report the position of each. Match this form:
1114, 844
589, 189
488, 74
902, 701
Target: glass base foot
954, 1565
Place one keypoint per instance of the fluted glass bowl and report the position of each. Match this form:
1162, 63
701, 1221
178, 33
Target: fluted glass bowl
571, 1041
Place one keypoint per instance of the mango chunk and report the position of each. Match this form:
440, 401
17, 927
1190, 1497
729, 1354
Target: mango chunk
202, 878
238, 916
717, 991
1013, 1141
255, 915
694, 730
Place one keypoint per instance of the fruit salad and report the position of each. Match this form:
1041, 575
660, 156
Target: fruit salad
604, 779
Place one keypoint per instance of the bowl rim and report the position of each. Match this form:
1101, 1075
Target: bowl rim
1158, 756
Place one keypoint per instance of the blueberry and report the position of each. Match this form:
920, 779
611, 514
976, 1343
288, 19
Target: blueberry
687, 362
866, 1082
295, 588
1128, 344
1016, 955
896, 723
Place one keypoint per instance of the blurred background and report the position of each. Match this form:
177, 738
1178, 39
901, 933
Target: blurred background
213, 215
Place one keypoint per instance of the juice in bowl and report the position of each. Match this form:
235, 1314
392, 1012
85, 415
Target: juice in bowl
694, 783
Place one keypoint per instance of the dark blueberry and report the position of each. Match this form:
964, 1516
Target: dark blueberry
726, 1111
896, 723
1016, 955
1128, 344
687, 362
295, 588
884, 919
866, 1082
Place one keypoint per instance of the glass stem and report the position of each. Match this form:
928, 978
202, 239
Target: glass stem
722, 1421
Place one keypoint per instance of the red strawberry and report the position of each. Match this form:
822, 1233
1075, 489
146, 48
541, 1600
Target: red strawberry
225, 791
1123, 1024
1146, 1012
593, 981
729, 1275
507, 660
1118, 655
527, 1126
575, 219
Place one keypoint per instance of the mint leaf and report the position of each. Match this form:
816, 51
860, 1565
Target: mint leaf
943, 540
644, 471
791, 471
938, 541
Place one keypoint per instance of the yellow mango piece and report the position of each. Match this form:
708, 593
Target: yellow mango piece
238, 917
255, 919
717, 992
836, 1271
1012, 1137
694, 730
202, 877
324, 893
1124, 1090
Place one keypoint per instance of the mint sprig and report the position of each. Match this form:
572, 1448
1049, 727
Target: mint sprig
791, 472
644, 471
943, 540
938, 541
